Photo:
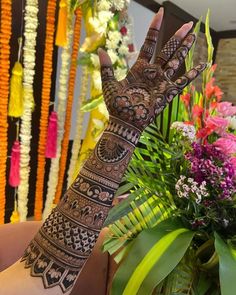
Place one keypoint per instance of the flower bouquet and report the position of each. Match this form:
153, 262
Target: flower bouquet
176, 231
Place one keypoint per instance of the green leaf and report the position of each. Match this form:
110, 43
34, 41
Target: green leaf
189, 58
227, 266
210, 47
92, 104
84, 59
154, 254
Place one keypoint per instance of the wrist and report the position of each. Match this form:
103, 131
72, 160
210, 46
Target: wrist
123, 130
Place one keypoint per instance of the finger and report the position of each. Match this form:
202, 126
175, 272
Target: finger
107, 72
178, 58
171, 46
188, 77
149, 45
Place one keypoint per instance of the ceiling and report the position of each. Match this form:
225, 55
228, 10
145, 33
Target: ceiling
223, 12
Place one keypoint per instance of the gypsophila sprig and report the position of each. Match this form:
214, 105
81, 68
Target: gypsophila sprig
186, 130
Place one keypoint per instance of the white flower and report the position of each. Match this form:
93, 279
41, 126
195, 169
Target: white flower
123, 50
187, 131
100, 21
96, 76
232, 122
104, 16
95, 60
188, 188
110, 44
119, 4
97, 25
114, 36
126, 40
120, 73
103, 5
113, 55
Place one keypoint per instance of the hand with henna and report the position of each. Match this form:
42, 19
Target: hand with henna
64, 242
149, 86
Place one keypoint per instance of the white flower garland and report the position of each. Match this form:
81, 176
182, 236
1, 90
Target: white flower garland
79, 124
117, 44
30, 34
61, 111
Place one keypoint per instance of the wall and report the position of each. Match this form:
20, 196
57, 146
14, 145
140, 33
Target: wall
226, 69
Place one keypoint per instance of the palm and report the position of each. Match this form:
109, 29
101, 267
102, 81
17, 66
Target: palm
148, 87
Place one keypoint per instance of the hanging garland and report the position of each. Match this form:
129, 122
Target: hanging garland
61, 110
71, 86
30, 34
107, 25
79, 124
45, 102
5, 31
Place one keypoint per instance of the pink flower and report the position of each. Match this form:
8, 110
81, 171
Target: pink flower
226, 109
233, 162
230, 136
226, 145
216, 124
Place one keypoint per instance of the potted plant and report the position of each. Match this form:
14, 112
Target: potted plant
175, 233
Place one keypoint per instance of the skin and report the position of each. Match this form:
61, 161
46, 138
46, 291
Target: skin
58, 252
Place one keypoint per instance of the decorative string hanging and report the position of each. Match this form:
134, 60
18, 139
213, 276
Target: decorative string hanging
51, 146
5, 36
15, 108
30, 34
61, 110
14, 175
72, 79
45, 102
79, 124
61, 39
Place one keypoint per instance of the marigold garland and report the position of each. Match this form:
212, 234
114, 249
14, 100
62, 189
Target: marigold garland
5, 35
30, 34
79, 124
61, 110
45, 102
72, 79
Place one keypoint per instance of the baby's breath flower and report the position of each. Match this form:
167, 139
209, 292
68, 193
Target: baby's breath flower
186, 130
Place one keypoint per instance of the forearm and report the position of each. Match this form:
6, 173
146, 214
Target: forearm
66, 239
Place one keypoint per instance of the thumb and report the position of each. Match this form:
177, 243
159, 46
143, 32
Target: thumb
107, 72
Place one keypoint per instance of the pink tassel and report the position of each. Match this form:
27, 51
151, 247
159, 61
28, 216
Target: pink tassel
14, 177
51, 147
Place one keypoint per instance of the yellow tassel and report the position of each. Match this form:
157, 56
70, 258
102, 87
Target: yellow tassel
62, 24
15, 217
15, 107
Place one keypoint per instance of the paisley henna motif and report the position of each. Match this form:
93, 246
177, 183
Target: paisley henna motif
63, 244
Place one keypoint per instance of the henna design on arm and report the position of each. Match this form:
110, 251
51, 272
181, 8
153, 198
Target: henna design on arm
66, 239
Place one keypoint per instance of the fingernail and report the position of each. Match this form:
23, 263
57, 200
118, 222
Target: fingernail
161, 9
190, 24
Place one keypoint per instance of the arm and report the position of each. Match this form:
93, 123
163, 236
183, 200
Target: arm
63, 244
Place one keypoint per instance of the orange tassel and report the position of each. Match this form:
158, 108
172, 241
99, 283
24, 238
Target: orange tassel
62, 25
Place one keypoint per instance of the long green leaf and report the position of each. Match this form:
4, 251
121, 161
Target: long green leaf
151, 258
227, 266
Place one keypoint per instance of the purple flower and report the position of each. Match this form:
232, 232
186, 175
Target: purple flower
209, 164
